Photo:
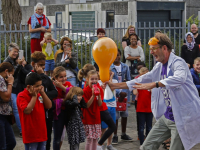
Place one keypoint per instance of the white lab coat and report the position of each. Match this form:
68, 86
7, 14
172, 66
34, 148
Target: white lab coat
183, 94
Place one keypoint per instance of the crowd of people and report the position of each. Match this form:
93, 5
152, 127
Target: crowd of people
43, 95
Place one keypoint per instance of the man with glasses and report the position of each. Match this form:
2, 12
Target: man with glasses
174, 100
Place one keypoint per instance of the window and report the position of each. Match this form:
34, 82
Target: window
58, 19
110, 15
84, 20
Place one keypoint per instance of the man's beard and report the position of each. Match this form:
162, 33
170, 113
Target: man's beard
195, 33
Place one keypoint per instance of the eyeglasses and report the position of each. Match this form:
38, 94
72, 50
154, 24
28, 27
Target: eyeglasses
154, 49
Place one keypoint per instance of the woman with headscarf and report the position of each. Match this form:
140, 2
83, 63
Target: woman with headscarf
38, 25
190, 51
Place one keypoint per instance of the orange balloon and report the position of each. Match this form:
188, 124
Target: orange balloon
104, 53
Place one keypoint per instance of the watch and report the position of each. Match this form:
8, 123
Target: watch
157, 85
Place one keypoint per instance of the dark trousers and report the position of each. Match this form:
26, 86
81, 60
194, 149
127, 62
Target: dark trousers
58, 126
137, 117
144, 118
105, 116
7, 137
49, 124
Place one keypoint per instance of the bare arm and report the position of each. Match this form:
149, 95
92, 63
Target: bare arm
139, 43
42, 42
58, 84
124, 44
55, 41
7, 94
30, 105
135, 91
90, 101
147, 86
114, 86
47, 102
49, 30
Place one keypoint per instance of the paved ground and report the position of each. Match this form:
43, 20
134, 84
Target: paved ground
131, 130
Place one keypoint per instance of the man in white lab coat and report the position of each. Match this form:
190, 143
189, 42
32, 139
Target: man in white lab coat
175, 101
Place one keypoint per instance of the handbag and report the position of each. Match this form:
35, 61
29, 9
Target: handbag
121, 106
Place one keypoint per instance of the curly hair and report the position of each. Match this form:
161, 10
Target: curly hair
37, 56
6, 65
65, 39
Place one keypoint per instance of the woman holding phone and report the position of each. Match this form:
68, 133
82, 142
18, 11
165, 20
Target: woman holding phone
22, 68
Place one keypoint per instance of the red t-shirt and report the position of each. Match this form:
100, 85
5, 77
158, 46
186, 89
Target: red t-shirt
103, 107
33, 124
144, 101
61, 93
91, 115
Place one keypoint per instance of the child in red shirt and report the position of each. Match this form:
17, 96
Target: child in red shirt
62, 86
31, 103
143, 109
91, 115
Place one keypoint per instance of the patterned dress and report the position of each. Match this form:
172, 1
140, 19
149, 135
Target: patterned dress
75, 129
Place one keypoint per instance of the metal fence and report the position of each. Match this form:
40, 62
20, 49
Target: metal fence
83, 38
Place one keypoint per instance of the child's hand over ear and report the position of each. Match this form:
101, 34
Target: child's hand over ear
32, 91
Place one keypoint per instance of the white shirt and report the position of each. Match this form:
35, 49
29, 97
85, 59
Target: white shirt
113, 102
119, 72
68, 72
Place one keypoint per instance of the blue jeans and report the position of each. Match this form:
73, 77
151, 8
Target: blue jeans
15, 110
49, 65
142, 119
7, 141
35, 146
58, 126
72, 81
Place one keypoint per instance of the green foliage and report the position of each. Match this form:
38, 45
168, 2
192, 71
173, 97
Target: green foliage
192, 20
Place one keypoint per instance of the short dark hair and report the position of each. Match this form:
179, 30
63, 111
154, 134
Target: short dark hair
37, 56
119, 52
140, 63
134, 35
101, 30
6, 65
32, 78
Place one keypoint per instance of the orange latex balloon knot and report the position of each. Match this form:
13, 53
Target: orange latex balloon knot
104, 53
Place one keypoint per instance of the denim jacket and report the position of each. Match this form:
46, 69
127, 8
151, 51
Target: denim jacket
125, 75
196, 79
183, 94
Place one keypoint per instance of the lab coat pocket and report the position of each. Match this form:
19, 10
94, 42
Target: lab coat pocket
191, 120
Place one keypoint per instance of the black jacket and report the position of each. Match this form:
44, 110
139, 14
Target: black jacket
71, 106
19, 75
190, 55
71, 66
50, 91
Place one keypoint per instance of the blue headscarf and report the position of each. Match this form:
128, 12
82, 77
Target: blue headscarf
190, 45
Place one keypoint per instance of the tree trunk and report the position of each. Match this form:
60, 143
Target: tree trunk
11, 13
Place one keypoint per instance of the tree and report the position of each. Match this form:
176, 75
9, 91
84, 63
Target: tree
11, 13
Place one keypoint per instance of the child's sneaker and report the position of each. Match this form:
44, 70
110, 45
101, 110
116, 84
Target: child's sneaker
110, 147
115, 139
125, 137
99, 147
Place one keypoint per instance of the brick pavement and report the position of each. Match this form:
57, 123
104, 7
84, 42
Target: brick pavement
131, 131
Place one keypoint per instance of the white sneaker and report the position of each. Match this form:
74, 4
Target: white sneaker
110, 147
99, 147
141, 148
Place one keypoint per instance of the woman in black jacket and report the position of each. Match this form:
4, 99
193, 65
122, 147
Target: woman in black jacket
190, 51
68, 60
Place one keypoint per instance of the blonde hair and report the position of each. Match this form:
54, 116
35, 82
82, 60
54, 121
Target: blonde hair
197, 60
83, 72
57, 71
91, 72
39, 5
127, 31
143, 70
73, 91
47, 34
